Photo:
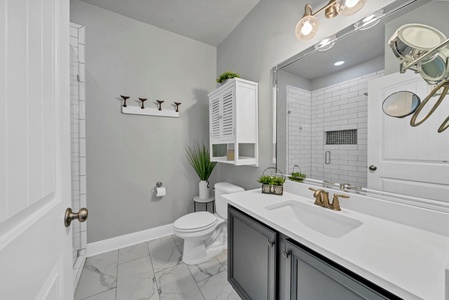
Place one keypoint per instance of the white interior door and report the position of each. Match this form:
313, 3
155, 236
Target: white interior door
410, 160
35, 246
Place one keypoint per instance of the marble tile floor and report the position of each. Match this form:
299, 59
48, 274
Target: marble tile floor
153, 270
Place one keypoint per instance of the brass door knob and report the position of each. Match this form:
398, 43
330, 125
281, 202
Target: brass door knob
69, 216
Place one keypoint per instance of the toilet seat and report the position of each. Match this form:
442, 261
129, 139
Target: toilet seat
197, 221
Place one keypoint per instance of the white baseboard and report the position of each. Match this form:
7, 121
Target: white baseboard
128, 240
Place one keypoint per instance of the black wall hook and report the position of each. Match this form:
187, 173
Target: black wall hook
160, 104
177, 106
143, 100
124, 99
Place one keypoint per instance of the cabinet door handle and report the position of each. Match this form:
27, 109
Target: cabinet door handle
285, 254
270, 243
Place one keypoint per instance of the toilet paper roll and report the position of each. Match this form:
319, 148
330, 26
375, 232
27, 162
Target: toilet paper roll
160, 192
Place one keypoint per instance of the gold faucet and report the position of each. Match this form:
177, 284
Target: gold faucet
336, 203
322, 199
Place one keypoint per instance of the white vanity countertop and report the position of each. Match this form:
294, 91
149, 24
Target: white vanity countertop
409, 262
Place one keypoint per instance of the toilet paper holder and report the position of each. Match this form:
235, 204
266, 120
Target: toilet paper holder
158, 184
159, 190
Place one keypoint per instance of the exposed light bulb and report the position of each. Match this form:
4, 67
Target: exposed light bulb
306, 28
351, 3
349, 7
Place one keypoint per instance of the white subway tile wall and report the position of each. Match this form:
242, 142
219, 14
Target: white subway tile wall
78, 144
310, 114
298, 129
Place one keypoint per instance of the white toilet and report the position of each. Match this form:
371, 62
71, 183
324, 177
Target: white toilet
205, 234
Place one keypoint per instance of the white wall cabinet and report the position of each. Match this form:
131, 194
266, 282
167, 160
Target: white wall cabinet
233, 123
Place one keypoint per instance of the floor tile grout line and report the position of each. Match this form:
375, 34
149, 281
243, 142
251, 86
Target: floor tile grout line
87, 298
214, 274
134, 258
193, 277
152, 267
166, 268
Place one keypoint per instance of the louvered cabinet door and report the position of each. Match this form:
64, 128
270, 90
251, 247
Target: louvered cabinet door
227, 106
215, 118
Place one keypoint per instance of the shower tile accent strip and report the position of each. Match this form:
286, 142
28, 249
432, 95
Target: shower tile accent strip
78, 143
310, 114
341, 137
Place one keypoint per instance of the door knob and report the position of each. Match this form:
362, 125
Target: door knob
69, 216
372, 168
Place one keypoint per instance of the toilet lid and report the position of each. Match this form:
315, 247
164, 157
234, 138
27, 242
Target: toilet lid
195, 221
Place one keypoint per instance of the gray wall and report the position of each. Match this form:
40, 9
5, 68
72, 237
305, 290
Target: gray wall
262, 40
128, 154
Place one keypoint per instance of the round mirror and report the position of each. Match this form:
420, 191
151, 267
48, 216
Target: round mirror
401, 104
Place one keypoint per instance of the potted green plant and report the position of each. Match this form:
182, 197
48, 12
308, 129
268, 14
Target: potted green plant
199, 158
297, 176
272, 184
227, 75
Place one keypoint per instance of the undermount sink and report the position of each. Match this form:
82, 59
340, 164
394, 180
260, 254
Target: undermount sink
327, 222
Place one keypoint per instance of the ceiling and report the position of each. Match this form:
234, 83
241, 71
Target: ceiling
207, 21
322, 63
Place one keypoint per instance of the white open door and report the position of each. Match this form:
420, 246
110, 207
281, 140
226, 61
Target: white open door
410, 160
35, 246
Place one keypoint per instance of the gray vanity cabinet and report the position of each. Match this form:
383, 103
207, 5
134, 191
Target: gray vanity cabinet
308, 275
266, 264
251, 257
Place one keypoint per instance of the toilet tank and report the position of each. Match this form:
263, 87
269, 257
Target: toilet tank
221, 204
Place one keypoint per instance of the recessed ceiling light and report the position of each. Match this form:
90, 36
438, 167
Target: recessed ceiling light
339, 63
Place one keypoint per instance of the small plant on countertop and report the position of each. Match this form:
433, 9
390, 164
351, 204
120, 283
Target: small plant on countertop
297, 176
271, 180
227, 75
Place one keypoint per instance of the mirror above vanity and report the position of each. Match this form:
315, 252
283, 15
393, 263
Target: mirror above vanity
343, 114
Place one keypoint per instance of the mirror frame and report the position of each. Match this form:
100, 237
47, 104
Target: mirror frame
389, 9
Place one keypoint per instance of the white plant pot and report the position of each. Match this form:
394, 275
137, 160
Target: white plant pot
204, 190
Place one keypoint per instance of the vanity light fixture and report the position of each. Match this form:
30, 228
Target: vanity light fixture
326, 43
369, 21
339, 63
308, 25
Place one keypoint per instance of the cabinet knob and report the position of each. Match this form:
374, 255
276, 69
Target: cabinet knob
270, 243
285, 254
